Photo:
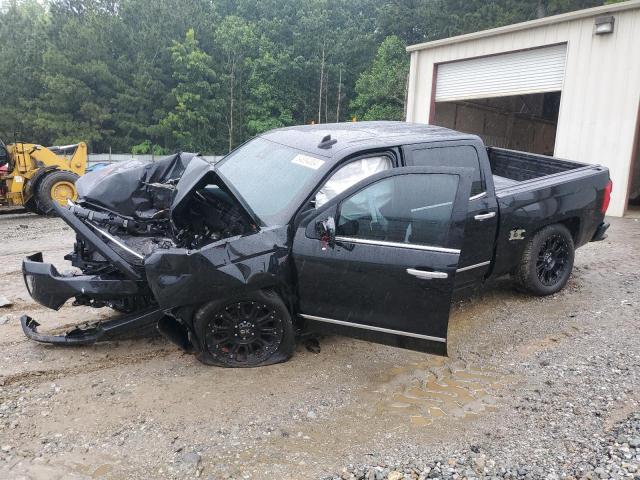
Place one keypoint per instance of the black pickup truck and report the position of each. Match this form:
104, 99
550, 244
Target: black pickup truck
362, 229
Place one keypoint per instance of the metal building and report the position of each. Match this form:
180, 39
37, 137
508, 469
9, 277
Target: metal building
567, 85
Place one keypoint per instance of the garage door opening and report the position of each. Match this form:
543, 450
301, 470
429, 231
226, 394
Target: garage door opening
520, 122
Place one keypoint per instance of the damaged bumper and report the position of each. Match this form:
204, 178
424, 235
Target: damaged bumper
108, 330
51, 289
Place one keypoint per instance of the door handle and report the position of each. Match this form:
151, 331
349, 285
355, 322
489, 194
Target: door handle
424, 275
485, 216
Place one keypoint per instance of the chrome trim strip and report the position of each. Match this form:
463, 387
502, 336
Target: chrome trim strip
428, 207
470, 267
484, 216
382, 243
426, 275
376, 329
479, 195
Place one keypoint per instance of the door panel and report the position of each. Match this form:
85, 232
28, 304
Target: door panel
390, 275
479, 241
482, 215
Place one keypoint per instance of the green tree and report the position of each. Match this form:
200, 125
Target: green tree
192, 120
21, 47
381, 89
119, 73
269, 104
236, 41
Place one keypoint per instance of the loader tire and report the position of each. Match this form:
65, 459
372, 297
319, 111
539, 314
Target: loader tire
546, 262
32, 206
57, 186
249, 330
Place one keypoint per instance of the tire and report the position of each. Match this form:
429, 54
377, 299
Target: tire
56, 187
246, 331
32, 206
547, 261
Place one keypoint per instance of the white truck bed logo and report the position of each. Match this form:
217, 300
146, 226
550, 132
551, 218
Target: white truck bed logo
517, 234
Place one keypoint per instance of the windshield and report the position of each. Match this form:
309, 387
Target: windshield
270, 177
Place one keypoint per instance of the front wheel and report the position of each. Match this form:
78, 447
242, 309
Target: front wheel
547, 261
56, 187
247, 331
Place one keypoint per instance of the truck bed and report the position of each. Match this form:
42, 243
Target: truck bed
511, 168
537, 190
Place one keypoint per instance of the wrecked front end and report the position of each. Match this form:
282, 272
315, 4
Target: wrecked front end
154, 242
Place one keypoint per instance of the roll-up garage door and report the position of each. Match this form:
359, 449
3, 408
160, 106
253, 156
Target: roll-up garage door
517, 73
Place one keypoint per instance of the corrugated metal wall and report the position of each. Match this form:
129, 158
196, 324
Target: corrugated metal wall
600, 94
519, 73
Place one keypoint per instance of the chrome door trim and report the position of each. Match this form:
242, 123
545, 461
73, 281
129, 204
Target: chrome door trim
375, 329
382, 243
485, 216
426, 275
470, 267
479, 195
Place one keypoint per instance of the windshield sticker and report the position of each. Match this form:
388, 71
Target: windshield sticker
307, 161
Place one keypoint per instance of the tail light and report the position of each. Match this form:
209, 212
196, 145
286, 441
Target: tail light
607, 197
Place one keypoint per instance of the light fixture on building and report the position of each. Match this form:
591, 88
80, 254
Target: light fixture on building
604, 25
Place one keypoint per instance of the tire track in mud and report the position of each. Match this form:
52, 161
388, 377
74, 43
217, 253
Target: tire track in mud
41, 376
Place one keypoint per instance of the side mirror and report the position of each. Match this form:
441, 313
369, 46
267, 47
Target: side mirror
326, 230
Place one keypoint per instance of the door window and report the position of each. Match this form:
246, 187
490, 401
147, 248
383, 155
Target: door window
413, 208
452, 156
349, 175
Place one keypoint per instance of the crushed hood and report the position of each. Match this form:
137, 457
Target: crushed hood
137, 189
181, 200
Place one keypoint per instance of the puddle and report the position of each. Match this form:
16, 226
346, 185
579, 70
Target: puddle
423, 392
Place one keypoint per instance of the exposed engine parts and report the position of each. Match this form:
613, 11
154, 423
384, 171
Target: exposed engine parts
137, 208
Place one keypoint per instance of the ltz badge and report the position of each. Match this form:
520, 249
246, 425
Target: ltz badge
517, 234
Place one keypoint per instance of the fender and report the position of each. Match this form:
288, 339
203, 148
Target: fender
180, 277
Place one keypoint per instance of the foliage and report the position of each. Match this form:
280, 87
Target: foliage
146, 148
195, 97
381, 88
205, 75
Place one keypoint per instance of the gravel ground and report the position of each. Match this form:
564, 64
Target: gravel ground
532, 388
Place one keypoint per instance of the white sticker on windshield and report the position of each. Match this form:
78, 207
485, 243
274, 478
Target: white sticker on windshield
307, 161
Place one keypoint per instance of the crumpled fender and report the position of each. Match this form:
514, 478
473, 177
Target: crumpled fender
180, 277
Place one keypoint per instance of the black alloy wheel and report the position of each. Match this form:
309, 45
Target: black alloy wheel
244, 333
553, 259
546, 261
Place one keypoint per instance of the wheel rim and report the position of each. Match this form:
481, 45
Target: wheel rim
245, 332
553, 260
63, 191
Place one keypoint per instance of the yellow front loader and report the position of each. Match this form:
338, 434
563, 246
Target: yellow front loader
35, 176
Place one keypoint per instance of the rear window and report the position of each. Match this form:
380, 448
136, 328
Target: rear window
464, 156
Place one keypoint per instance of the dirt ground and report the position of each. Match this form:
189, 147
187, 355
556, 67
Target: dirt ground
526, 380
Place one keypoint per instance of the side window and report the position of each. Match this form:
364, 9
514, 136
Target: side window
412, 208
351, 174
452, 156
